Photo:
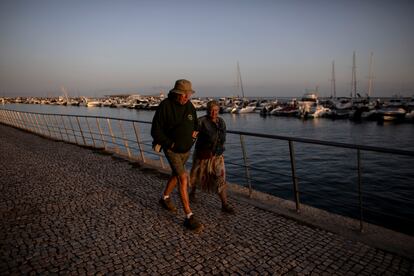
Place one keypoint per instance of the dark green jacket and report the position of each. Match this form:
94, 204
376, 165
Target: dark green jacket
174, 123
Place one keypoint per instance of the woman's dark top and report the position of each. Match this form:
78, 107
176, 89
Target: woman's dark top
211, 135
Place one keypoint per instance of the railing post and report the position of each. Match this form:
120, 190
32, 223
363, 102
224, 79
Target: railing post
73, 130
57, 125
64, 126
90, 132
294, 178
20, 121
116, 149
100, 131
28, 123
361, 217
81, 132
15, 119
140, 147
11, 118
246, 165
8, 117
124, 138
53, 127
32, 122
38, 125
47, 127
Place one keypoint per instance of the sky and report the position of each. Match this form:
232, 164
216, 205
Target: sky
284, 48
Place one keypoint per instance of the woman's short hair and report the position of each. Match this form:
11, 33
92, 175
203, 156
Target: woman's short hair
211, 104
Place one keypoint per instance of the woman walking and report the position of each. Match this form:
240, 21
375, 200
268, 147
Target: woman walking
208, 170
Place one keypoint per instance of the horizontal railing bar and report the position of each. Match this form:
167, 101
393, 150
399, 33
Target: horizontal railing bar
80, 116
325, 143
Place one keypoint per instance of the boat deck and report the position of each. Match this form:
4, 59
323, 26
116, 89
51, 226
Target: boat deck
65, 209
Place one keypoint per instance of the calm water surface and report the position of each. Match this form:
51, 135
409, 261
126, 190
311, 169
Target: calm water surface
327, 176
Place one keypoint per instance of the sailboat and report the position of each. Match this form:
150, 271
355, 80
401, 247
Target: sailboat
69, 101
245, 107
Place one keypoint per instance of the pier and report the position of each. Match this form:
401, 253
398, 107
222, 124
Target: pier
66, 210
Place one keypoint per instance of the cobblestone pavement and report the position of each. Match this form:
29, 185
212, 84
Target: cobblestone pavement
69, 210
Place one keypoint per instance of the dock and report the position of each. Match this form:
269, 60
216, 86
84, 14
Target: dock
69, 210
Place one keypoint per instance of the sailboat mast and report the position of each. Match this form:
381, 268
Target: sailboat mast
354, 85
65, 93
239, 79
370, 77
333, 85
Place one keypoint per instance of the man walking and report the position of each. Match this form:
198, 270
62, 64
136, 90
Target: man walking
174, 129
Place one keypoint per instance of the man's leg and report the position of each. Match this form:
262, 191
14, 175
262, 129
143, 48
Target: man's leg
165, 200
183, 178
172, 182
190, 222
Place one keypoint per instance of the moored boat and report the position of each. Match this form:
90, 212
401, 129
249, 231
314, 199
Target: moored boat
391, 113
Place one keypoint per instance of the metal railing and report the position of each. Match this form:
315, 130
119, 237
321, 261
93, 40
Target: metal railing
131, 140
119, 136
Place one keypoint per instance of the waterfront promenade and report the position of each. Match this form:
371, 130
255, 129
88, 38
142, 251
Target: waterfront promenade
69, 210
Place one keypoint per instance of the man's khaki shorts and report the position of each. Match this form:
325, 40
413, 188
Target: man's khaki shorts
177, 161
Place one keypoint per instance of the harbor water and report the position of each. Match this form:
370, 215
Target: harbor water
327, 176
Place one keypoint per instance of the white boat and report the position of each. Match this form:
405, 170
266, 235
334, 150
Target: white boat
142, 104
122, 105
319, 111
391, 113
153, 105
276, 110
343, 103
234, 109
307, 105
392, 110
410, 116
197, 103
107, 103
369, 115
287, 111
246, 109
72, 102
91, 103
